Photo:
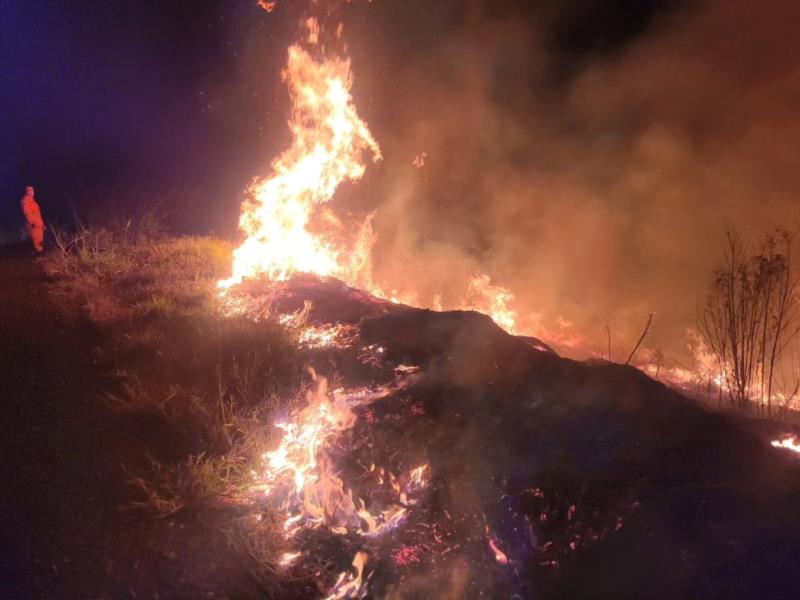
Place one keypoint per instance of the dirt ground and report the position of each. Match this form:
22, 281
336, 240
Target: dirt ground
62, 479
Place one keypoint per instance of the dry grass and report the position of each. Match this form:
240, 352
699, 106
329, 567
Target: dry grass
213, 383
120, 277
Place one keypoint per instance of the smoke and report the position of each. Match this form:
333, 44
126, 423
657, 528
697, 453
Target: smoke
594, 182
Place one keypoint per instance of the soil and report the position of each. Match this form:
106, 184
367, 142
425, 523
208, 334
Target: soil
63, 464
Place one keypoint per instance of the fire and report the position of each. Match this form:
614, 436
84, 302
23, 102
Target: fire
789, 442
499, 555
337, 335
298, 470
267, 5
288, 558
417, 479
299, 474
492, 300
329, 144
349, 585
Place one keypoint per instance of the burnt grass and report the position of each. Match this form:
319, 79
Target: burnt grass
135, 412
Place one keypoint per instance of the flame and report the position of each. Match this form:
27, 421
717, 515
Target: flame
337, 335
349, 585
288, 558
267, 5
492, 300
299, 467
416, 480
499, 555
329, 144
789, 442
300, 476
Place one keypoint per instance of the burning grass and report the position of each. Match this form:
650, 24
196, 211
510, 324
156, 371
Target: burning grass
444, 453
450, 454
196, 389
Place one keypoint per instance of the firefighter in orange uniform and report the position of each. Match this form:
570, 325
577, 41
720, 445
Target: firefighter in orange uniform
34, 217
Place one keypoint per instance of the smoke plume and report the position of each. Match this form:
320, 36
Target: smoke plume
594, 182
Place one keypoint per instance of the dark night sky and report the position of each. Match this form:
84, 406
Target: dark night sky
127, 98
577, 149
133, 96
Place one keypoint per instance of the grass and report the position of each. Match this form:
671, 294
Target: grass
205, 386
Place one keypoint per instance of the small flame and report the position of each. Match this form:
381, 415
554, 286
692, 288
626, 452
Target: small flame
349, 585
267, 5
789, 443
300, 468
337, 335
288, 558
499, 555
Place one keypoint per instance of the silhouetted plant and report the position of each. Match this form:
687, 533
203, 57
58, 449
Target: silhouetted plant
749, 319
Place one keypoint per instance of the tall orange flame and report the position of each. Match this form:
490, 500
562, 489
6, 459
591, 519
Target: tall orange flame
329, 144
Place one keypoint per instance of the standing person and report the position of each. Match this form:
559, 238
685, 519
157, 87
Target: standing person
33, 215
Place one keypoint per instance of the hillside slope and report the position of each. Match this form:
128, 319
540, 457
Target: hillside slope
548, 477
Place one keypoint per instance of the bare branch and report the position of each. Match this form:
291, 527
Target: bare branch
641, 339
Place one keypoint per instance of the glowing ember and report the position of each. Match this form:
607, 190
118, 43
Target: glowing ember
499, 555
329, 336
789, 442
288, 558
409, 555
267, 5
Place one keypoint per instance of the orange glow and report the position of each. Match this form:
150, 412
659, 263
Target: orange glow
330, 336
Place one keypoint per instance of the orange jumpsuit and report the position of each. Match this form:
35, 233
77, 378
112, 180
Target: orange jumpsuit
35, 224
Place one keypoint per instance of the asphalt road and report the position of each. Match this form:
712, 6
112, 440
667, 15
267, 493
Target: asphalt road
62, 482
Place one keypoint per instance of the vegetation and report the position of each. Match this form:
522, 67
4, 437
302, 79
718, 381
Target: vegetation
202, 387
749, 320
